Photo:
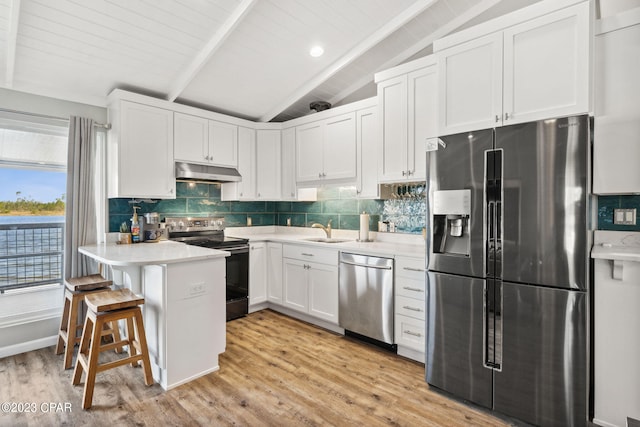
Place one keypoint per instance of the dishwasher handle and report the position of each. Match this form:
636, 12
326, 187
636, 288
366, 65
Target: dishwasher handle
358, 264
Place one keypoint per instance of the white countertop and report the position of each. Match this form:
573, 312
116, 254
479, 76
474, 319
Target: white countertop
386, 245
616, 246
163, 252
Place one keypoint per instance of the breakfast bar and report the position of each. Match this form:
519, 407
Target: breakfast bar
184, 310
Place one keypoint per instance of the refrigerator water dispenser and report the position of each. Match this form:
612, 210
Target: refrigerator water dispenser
451, 209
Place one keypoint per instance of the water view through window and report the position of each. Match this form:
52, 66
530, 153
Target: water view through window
32, 203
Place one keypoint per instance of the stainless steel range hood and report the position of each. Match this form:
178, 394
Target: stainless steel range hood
195, 172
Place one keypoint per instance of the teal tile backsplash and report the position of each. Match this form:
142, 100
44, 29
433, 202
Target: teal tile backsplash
606, 205
338, 204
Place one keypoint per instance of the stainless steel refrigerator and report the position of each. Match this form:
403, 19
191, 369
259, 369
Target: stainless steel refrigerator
507, 324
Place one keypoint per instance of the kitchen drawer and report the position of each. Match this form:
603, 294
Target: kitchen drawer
308, 253
411, 268
410, 332
411, 288
410, 307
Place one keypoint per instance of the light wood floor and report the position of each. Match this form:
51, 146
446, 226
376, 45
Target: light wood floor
277, 371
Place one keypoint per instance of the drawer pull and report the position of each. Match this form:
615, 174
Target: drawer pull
409, 288
415, 334
306, 254
420, 270
408, 307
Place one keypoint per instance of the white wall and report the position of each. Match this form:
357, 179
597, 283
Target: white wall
30, 319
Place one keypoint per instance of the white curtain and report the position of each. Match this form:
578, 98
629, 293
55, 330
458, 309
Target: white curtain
80, 227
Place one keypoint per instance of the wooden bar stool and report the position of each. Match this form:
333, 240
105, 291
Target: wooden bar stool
76, 289
104, 307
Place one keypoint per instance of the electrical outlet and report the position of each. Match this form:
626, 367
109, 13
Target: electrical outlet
624, 216
196, 289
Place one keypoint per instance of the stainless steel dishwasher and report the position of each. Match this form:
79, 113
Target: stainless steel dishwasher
366, 297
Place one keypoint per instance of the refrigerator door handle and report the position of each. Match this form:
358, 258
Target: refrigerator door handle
486, 326
491, 248
492, 325
497, 326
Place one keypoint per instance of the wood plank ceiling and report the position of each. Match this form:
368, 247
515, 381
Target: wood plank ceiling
247, 58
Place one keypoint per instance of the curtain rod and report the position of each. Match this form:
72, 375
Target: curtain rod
106, 126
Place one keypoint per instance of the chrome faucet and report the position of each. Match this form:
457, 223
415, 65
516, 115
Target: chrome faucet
326, 229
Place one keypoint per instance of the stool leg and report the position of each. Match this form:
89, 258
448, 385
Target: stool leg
72, 327
82, 351
131, 337
142, 341
116, 335
94, 352
63, 325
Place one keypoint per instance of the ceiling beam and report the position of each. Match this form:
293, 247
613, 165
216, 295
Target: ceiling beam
442, 31
393, 25
201, 59
12, 39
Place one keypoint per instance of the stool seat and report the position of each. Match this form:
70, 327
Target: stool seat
103, 308
113, 300
76, 289
87, 283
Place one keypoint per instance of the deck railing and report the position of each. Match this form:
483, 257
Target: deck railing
30, 254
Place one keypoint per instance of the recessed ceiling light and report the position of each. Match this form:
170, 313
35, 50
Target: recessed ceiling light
316, 51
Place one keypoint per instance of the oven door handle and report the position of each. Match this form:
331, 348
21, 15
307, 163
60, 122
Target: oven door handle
235, 250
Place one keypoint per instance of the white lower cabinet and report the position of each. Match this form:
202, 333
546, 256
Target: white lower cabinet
410, 308
257, 273
310, 281
274, 272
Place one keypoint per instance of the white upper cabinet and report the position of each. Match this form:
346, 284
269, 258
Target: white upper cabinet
245, 189
268, 162
529, 70
326, 149
407, 105
339, 151
367, 140
140, 151
223, 144
616, 145
546, 66
289, 164
191, 141
309, 162
204, 141
470, 82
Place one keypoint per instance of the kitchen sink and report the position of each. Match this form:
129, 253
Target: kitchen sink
325, 240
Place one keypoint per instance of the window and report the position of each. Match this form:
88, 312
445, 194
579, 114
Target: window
33, 157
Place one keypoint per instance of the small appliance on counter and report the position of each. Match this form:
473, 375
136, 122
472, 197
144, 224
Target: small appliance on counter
152, 230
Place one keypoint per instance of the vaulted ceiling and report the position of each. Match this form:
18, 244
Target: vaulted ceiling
247, 58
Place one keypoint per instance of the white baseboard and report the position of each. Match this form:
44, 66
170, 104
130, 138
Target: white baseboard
28, 346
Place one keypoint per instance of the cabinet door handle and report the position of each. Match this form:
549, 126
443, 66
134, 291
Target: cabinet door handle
415, 334
420, 270
506, 116
497, 118
408, 307
404, 173
409, 288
